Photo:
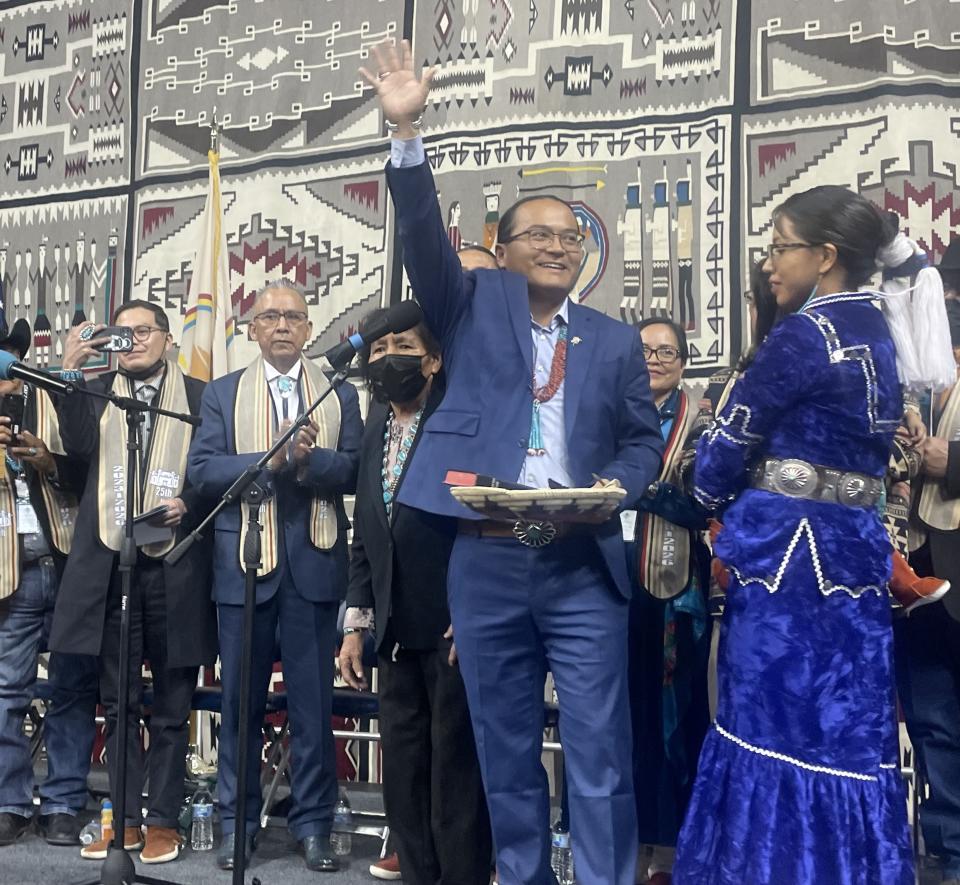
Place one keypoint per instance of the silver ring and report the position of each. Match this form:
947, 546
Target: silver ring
33, 451
383, 75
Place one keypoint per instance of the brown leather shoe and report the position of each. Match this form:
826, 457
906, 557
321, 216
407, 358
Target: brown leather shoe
163, 845
132, 840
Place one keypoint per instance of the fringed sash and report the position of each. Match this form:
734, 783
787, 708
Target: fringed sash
938, 509
664, 548
61, 507
254, 427
163, 474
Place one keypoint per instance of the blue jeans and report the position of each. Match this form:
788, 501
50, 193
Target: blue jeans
69, 726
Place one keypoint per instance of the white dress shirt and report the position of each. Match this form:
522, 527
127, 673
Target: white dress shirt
284, 406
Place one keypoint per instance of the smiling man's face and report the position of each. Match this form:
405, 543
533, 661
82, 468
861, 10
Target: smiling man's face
552, 269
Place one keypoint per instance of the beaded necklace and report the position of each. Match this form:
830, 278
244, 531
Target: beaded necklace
393, 436
558, 370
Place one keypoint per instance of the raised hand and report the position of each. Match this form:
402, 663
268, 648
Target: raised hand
79, 349
402, 94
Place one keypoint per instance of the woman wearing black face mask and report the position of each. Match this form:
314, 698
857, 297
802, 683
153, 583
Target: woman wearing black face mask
398, 571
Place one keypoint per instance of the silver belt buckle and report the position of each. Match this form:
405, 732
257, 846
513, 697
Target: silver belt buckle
855, 490
795, 478
534, 534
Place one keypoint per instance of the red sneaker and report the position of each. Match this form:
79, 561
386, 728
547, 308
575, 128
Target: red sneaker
388, 868
911, 591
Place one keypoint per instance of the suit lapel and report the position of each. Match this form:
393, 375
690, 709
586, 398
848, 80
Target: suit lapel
373, 463
518, 304
581, 340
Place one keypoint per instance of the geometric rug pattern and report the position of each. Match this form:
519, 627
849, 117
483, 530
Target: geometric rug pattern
673, 127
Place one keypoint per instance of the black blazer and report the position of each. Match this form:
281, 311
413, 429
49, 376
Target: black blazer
80, 611
398, 568
945, 546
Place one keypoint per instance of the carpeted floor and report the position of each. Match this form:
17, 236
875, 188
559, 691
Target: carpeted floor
276, 862
31, 861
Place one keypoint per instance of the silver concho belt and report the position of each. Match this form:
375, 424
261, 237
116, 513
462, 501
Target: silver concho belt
801, 479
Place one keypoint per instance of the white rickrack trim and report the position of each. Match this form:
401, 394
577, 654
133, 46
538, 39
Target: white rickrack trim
722, 422
826, 588
836, 353
839, 298
711, 502
790, 760
890, 765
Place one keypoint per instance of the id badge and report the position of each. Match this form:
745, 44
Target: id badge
628, 524
27, 522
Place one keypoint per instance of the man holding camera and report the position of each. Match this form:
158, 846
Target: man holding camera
171, 616
37, 512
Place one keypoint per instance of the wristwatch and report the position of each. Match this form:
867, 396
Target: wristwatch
348, 630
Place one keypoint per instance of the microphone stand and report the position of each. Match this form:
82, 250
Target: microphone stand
248, 488
118, 868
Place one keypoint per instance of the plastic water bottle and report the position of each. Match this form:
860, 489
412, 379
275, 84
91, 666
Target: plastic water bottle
90, 833
340, 839
201, 830
561, 855
106, 820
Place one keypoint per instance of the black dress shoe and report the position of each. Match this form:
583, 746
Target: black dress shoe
319, 855
12, 827
59, 829
225, 854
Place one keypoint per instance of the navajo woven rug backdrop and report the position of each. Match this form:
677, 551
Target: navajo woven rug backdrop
672, 126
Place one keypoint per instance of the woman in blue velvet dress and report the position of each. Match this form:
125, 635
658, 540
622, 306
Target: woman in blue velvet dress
799, 781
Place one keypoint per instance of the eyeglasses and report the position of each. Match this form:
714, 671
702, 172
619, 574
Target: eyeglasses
665, 353
542, 238
143, 333
272, 317
775, 250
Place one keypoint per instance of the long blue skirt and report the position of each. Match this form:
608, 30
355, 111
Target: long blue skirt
798, 782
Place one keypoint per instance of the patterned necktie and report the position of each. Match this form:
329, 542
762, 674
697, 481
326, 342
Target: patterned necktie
145, 394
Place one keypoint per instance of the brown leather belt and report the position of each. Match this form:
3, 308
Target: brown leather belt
530, 534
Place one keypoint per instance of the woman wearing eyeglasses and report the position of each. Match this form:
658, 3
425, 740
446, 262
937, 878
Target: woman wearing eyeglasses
668, 638
799, 779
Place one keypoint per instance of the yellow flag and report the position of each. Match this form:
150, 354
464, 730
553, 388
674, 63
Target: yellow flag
208, 325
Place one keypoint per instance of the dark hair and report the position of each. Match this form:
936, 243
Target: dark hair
159, 316
677, 330
768, 313
855, 226
951, 279
476, 247
421, 330
505, 226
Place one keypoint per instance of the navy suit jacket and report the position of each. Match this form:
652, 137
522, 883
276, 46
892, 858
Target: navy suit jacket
482, 320
213, 465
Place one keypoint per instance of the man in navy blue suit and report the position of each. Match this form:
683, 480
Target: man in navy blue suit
303, 575
539, 388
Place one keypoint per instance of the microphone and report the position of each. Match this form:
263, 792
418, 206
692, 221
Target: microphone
398, 318
10, 368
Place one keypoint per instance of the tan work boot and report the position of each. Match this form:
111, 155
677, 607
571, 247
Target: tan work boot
163, 844
132, 840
